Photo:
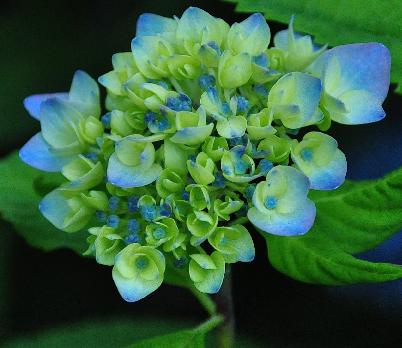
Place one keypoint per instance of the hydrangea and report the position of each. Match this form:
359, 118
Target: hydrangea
205, 126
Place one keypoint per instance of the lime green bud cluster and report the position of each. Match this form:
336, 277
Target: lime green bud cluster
200, 137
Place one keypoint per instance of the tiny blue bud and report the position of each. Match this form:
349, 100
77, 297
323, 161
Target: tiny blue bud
113, 221
205, 81
270, 202
132, 238
242, 104
165, 210
226, 108
133, 226
149, 117
185, 195
159, 233
179, 263
141, 262
91, 156
249, 192
261, 90
106, 119
261, 60
100, 216
214, 46
241, 167
163, 124
148, 212
113, 203
132, 203
219, 180
265, 166
306, 154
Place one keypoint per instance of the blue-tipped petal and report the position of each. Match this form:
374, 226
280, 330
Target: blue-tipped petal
37, 154
150, 24
58, 121
56, 208
330, 176
84, 94
364, 66
295, 98
362, 107
251, 36
295, 224
33, 102
125, 176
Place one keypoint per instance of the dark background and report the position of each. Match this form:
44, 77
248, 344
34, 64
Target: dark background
42, 43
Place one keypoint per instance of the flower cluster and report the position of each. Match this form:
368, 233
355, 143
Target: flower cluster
201, 136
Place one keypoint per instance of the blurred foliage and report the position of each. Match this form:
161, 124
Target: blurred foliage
19, 205
340, 22
124, 333
352, 219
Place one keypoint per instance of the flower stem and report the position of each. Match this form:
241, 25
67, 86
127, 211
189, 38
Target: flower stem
224, 303
205, 300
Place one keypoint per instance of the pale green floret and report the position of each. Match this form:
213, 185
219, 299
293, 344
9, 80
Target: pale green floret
260, 125
138, 271
199, 197
234, 70
207, 272
299, 50
201, 225
201, 169
234, 243
83, 174
227, 207
215, 147
169, 182
107, 244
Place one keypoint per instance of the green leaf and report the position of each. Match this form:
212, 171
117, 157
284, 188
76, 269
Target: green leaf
194, 338
21, 189
340, 22
352, 219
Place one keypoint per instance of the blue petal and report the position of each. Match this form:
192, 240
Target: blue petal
297, 223
364, 66
150, 24
331, 176
58, 122
33, 102
37, 154
125, 176
84, 94
251, 36
362, 107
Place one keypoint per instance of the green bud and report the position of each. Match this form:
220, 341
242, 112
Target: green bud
234, 243
169, 182
199, 197
90, 129
83, 174
234, 70
207, 272
107, 244
259, 125
214, 147
229, 206
201, 225
138, 271
202, 169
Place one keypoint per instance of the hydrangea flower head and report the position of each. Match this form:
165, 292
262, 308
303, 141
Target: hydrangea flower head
199, 133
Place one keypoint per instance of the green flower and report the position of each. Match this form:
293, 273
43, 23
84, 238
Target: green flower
138, 271
107, 244
207, 272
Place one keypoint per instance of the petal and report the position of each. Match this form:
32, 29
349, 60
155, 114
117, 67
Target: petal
300, 90
362, 107
37, 154
298, 222
150, 24
132, 286
56, 208
33, 102
59, 121
364, 66
233, 127
192, 135
84, 94
251, 36
125, 176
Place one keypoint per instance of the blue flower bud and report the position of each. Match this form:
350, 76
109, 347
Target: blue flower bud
113, 221
113, 203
